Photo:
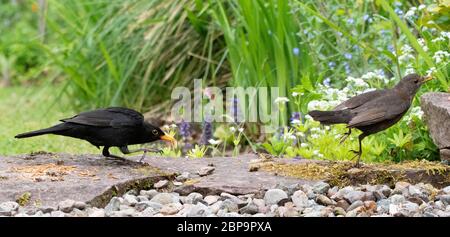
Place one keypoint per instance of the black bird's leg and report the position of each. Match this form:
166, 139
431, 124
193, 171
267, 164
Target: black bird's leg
359, 153
124, 150
106, 153
345, 136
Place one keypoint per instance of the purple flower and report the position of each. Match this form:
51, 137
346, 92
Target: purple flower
235, 110
390, 48
350, 21
184, 129
348, 56
366, 17
294, 116
347, 68
296, 51
207, 133
398, 11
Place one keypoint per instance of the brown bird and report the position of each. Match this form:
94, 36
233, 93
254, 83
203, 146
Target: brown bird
373, 111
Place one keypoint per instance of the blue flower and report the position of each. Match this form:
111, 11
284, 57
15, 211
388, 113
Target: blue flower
350, 21
184, 129
327, 81
347, 68
398, 11
366, 17
331, 65
348, 56
207, 133
390, 48
296, 51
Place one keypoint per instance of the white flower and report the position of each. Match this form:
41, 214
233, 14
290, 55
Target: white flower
421, 7
214, 142
233, 129
316, 152
320, 155
295, 121
314, 136
241, 129
409, 70
166, 127
173, 125
300, 134
440, 56
308, 117
431, 71
303, 145
291, 137
294, 94
281, 100
411, 12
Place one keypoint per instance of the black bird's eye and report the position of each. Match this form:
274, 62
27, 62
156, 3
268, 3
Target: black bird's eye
416, 81
155, 132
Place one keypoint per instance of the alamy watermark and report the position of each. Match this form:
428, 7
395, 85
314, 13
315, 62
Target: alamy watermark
250, 105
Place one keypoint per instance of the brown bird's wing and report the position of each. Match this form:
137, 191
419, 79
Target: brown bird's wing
377, 111
359, 100
109, 117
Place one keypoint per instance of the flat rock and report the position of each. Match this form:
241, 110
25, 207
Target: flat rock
53, 178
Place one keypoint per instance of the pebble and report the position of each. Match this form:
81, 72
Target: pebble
199, 210
251, 208
204, 171
354, 196
355, 205
211, 199
273, 196
324, 200
165, 198
193, 198
229, 206
320, 187
161, 184
130, 199
300, 199
112, 206
148, 193
66, 205
141, 206
183, 177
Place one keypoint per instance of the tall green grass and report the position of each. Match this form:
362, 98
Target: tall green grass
132, 53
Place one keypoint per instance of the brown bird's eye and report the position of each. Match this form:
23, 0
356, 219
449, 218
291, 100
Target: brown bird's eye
155, 132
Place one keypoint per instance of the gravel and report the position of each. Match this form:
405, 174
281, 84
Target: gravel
318, 200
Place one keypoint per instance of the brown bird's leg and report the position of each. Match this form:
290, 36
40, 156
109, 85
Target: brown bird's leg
106, 153
359, 152
124, 150
345, 136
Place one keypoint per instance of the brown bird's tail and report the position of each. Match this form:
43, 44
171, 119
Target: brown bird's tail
50, 130
331, 117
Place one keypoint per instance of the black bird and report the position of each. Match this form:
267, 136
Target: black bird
114, 126
373, 111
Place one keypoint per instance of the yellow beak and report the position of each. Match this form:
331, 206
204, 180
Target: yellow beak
169, 139
427, 78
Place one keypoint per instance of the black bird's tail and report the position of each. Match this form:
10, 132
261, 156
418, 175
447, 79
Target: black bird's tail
51, 130
331, 117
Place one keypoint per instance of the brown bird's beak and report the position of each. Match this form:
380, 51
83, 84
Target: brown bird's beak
427, 78
169, 139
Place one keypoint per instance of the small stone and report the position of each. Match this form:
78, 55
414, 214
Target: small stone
183, 177
141, 206
441, 213
288, 210
355, 212
397, 199
96, 212
414, 191
378, 195
148, 212
332, 191
148, 193
394, 209
320, 187
429, 214
199, 210
79, 205
300, 199
273, 196
385, 190
193, 198
165, 198
171, 208
161, 184
371, 206
342, 192
7, 208
354, 196
229, 205
355, 205
204, 171
408, 209
113, 205
339, 211
324, 200
47, 209
142, 198
57, 214
216, 207
401, 188
130, 199
176, 183
124, 213
383, 206
446, 190
66, 205
233, 198
251, 209
210, 199
445, 199
342, 204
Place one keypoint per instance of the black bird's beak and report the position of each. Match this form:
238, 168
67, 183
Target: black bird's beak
427, 78
169, 139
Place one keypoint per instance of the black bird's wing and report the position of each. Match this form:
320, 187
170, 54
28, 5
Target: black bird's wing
109, 117
376, 111
359, 100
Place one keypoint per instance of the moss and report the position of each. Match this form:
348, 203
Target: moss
344, 173
24, 199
